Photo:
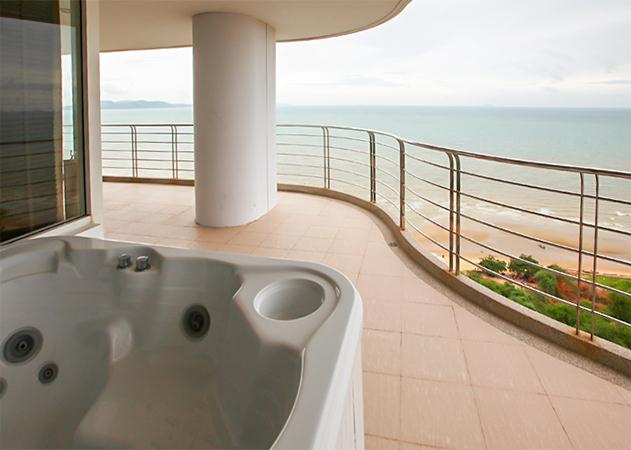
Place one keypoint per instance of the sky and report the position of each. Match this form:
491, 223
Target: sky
557, 53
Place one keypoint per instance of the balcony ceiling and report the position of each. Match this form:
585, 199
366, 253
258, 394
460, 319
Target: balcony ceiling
151, 24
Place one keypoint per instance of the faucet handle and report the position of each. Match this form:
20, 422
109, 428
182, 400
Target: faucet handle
142, 263
124, 261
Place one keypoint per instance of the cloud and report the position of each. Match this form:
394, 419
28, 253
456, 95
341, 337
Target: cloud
438, 52
612, 82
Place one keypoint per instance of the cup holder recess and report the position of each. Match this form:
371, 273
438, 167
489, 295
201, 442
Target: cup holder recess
289, 299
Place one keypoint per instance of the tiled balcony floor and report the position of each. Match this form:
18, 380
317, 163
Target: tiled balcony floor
435, 375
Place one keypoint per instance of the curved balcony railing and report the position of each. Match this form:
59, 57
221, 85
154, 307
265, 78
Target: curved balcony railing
463, 205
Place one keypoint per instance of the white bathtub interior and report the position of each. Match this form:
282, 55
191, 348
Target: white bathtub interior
129, 376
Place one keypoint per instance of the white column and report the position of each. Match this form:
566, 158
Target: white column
234, 81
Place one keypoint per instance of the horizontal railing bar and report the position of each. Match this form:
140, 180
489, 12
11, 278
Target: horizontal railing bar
544, 188
481, 156
351, 183
127, 150
390, 174
426, 181
409, 189
427, 218
311, 166
383, 197
306, 155
318, 177
381, 183
440, 166
426, 236
544, 241
350, 172
528, 211
147, 125
548, 269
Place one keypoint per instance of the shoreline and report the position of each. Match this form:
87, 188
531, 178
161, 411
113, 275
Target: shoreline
546, 255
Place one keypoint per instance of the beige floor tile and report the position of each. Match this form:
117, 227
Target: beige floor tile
625, 394
355, 247
500, 366
208, 246
382, 401
305, 256
347, 264
566, 380
378, 443
362, 234
234, 248
433, 358
361, 221
411, 446
378, 249
381, 287
439, 414
382, 315
271, 252
322, 231
218, 235
595, 425
312, 244
381, 351
519, 420
279, 241
471, 327
382, 265
251, 238
415, 290
429, 320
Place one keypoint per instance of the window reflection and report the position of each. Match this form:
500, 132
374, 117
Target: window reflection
41, 137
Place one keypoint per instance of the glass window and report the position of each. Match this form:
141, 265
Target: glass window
42, 180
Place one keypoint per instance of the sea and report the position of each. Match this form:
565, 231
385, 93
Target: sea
586, 137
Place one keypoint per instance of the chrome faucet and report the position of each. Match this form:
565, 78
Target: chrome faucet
124, 261
142, 263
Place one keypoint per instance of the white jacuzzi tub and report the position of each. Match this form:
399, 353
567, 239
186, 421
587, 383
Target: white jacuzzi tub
94, 356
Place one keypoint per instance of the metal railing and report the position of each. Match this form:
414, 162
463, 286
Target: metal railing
422, 187
162, 151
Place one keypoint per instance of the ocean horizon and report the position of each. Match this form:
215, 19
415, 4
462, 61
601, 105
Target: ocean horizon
593, 137
589, 137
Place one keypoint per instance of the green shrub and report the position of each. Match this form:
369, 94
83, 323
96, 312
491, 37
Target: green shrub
561, 312
620, 306
522, 268
557, 268
494, 264
547, 282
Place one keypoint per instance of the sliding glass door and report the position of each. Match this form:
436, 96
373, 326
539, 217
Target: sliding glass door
42, 179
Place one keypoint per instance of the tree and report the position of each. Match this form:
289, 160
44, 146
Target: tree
547, 282
522, 268
494, 264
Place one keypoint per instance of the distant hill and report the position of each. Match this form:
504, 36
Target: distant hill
139, 104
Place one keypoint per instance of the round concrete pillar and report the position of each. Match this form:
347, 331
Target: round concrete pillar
234, 103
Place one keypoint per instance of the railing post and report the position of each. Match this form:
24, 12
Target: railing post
324, 158
401, 185
451, 212
328, 158
134, 150
172, 127
579, 272
373, 168
458, 190
595, 258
